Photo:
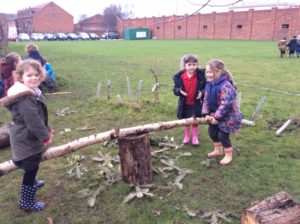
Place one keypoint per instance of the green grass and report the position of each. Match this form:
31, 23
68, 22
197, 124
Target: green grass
257, 172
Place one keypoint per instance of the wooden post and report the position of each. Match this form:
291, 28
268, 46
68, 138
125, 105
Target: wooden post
129, 88
239, 99
99, 89
259, 105
277, 209
135, 157
108, 90
138, 90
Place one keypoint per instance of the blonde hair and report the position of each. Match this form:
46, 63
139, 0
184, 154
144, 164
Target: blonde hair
25, 65
31, 47
218, 65
188, 58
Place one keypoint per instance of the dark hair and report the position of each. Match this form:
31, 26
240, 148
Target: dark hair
188, 58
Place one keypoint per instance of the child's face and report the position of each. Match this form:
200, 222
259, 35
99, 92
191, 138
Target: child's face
191, 67
31, 78
212, 75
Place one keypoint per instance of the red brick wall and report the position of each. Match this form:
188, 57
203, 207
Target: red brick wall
52, 18
245, 25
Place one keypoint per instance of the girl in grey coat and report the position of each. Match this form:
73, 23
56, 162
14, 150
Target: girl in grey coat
30, 133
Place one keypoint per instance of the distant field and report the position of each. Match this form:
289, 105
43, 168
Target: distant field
262, 168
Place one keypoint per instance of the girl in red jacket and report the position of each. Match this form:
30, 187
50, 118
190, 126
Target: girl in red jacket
189, 84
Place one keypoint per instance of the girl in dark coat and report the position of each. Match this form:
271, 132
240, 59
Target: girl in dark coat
221, 109
30, 133
189, 85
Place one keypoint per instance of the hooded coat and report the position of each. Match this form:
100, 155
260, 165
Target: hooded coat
30, 129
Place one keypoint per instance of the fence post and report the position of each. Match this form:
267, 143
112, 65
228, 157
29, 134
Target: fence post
129, 88
138, 90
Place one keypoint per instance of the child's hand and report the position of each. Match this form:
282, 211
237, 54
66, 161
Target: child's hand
214, 121
199, 95
51, 134
183, 93
208, 118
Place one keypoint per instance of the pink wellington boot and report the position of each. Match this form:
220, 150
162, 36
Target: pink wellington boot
186, 139
228, 156
195, 135
218, 151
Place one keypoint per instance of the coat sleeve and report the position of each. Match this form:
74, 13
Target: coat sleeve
1, 88
205, 110
227, 97
177, 86
33, 121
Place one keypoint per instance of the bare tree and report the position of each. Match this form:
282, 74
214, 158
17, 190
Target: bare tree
82, 17
111, 16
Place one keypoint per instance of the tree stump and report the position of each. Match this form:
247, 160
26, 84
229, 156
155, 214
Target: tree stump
277, 209
136, 159
4, 135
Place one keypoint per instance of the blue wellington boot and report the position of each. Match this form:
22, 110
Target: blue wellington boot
28, 202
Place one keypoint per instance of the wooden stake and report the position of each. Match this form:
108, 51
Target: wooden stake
283, 127
129, 88
138, 90
108, 90
239, 99
259, 105
99, 89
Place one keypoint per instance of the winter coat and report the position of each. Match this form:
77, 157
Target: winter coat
292, 44
1, 88
7, 76
36, 56
178, 84
49, 69
220, 102
30, 129
282, 44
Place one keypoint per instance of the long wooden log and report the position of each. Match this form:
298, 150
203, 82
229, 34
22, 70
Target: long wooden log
5, 101
283, 127
55, 152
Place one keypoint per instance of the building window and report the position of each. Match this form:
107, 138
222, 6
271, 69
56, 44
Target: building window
205, 27
179, 27
285, 26
157, 27
239, 26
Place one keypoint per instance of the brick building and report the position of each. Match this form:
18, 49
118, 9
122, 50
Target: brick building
92, 24
271, 24
44, 18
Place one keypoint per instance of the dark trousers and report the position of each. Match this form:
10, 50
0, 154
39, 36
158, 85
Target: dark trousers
30, 166
218, 135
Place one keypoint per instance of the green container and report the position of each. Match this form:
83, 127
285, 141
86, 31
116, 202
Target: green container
137, 33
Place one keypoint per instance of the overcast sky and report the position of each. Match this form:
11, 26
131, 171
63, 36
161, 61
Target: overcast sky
139, 8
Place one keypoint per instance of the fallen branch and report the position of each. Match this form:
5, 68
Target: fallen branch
58, 151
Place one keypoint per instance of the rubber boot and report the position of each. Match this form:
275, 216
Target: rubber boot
186, 139
228, 156
28, 202
195, 135
218, 151
39, 183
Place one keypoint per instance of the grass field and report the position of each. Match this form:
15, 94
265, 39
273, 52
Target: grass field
262, 168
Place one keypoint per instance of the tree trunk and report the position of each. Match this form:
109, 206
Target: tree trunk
58, 151
135, 157
4, 135
277, 209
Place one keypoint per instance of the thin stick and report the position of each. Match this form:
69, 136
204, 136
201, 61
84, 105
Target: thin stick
259, 105
138, 90
57, 93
